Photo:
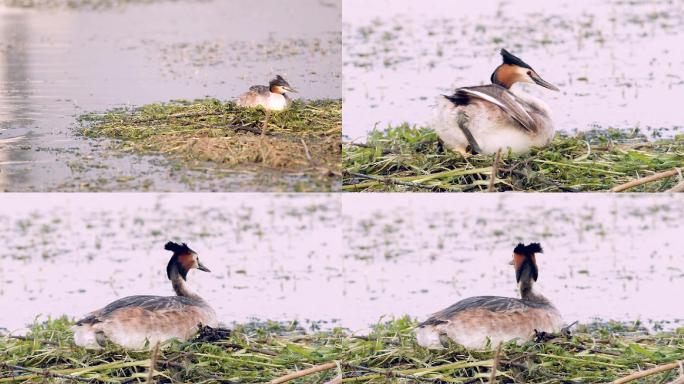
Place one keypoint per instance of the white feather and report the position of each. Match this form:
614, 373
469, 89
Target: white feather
492, 130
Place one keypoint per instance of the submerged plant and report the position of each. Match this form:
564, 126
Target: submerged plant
406, 158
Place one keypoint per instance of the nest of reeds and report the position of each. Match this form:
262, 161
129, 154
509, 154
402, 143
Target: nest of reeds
406, 158
277, 353
305, 139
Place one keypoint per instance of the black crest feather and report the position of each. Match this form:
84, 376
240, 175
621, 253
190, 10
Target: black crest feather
177, 249
279, 81
509, 58
529, 249
528, 265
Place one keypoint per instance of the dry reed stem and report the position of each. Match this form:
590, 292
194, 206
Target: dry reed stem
495, 169
153, 363
497, 356
305, 372
677, 188
644, 180
648, 372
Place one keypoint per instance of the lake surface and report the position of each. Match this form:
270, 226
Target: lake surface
271, 256
57, 63
606, 256
286, 257
616, 62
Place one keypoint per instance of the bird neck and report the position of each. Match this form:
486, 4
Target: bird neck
505, 75
531, 103
179, 285
527, 292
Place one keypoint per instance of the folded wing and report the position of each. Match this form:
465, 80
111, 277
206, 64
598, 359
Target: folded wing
498, 96
490, 303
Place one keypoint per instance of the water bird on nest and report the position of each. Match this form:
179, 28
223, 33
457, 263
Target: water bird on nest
473, 321
272, 97
484, 119
138, 321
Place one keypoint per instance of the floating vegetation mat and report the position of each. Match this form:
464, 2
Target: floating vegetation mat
407, 158
274, 353
303, 140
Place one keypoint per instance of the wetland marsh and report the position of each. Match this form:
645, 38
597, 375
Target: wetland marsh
614, 62
282, 257
61, 60
283, 282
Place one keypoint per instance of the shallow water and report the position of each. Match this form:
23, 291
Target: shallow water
271, 256
285, 257
56, 64
616, 62
606, 256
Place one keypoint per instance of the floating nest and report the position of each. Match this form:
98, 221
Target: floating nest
209, 134
407, 158
279, 353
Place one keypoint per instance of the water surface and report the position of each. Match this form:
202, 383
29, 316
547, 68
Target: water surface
606, 256
616, 62
271, 256
57, 63
344, 260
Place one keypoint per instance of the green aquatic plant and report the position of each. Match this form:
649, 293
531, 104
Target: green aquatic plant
279, 353
205, 134
407, 158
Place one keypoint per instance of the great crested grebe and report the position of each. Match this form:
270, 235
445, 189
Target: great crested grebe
272, 97
133, 321
491, 117
472, 321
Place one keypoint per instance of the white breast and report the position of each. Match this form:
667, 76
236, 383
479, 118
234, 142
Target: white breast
276, 102
492, 128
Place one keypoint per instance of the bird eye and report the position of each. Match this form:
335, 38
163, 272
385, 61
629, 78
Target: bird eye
529, 73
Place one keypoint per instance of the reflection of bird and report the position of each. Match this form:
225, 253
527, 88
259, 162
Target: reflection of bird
272, 98
492, 117
472, 321
135, 320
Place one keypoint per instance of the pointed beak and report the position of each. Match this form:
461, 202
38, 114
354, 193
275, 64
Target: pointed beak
537, 79
202, 267
289, 89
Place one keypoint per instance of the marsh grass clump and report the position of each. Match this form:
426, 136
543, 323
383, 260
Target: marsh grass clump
272, 352
407, 158
305, 139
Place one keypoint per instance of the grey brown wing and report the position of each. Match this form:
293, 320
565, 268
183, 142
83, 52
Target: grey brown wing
150, 303
260, 89
498, 96
490, 303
